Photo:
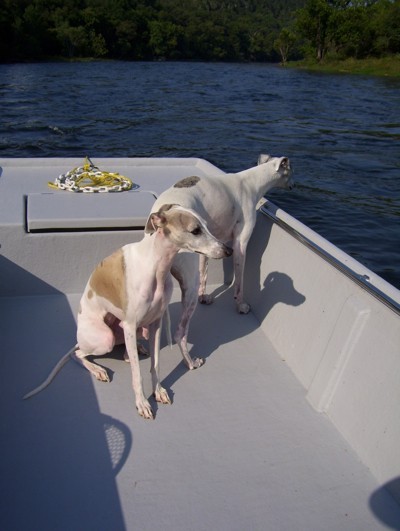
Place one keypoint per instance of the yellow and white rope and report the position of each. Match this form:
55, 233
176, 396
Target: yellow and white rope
89, 178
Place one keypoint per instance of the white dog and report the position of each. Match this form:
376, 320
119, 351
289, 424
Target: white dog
128, 293
228, 205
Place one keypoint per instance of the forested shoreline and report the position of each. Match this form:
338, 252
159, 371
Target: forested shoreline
206, 30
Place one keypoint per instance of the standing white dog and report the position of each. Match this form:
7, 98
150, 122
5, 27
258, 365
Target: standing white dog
228, 205
128, 293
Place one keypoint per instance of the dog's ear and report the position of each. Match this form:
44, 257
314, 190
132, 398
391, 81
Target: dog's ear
284, 164
263, 158
157, 219
149, 227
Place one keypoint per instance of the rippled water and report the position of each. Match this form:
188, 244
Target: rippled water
342, 133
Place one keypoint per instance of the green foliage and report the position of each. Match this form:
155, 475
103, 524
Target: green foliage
284, 42
386, 27
370, 66
216, 30
228, 30
312, 24
343, 29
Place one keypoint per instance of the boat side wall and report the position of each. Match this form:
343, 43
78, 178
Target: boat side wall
341, 342
41, 264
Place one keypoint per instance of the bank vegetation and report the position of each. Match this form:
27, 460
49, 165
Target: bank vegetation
316, 32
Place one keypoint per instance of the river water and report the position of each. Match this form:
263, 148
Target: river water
341, 133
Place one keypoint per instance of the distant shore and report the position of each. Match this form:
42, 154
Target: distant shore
372, 66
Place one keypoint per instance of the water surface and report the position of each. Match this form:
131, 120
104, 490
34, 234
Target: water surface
341, 132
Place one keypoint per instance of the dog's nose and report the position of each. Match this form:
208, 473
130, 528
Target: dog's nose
228, 250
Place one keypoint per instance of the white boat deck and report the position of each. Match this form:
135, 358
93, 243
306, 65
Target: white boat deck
240, 448
291, 424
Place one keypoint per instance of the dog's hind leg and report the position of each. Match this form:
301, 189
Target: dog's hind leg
203, 297
239, 259
186, 271
95, 338
97, 370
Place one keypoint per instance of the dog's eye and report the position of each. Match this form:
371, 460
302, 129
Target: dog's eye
196, 231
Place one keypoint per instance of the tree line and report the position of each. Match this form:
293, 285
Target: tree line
343, 29
208, 30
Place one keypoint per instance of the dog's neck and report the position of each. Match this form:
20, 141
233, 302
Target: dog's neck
260, 179
161, 252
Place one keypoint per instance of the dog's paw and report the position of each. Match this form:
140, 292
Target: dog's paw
101, 374
161, 395
206, 299
196, 363
243, 307
144, 409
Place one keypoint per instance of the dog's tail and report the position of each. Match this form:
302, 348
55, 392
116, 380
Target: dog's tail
52, 374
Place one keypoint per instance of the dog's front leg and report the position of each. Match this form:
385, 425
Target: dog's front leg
160, 394
142, 404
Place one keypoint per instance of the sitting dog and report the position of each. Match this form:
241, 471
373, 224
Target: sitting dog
128, 293
228, 205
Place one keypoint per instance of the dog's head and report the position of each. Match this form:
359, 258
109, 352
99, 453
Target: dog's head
282, 167
187, 230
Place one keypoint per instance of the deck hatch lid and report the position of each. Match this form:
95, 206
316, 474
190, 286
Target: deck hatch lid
68, 211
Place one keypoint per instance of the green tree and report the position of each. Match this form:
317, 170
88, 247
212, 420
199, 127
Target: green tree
126, 34
284, 42
229, 30
164, 37
349, 32
312, 24
385, 22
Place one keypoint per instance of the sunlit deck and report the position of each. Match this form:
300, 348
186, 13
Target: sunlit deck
241, 447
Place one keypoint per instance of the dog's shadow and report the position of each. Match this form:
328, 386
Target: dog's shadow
57, 443
219, 323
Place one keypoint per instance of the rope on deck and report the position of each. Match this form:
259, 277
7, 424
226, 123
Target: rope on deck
89, 178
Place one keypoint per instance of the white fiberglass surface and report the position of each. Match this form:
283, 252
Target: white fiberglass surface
239, 448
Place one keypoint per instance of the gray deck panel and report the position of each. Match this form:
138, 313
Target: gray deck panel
66, 211
239, 449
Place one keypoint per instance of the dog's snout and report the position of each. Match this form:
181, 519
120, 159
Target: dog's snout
228, 250
220, 251
290, 182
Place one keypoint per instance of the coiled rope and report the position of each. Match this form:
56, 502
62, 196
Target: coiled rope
89, 178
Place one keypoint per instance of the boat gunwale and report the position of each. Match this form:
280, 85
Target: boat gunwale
365, 278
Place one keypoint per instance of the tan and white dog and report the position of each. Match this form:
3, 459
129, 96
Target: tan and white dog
128, 293
228, 205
